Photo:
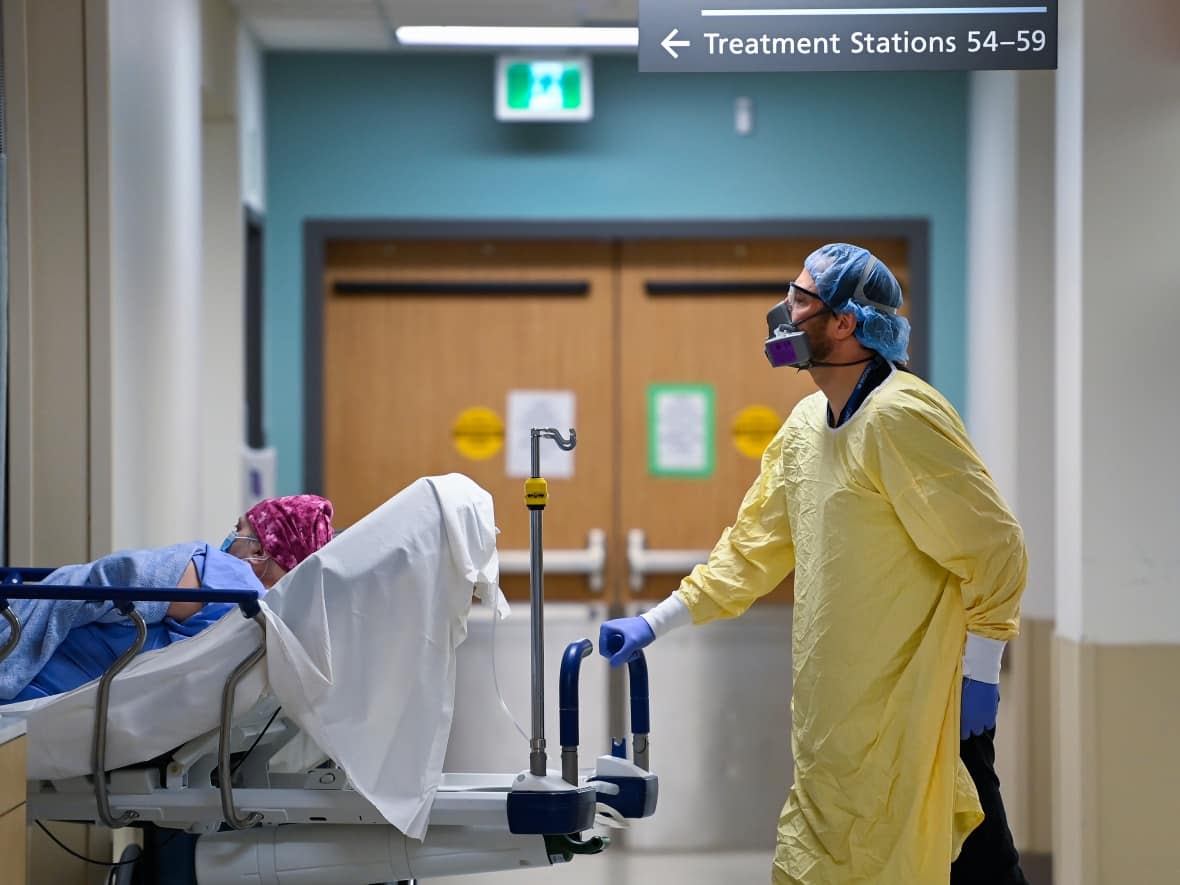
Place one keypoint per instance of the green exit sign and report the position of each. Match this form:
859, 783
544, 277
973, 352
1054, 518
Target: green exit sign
543, 89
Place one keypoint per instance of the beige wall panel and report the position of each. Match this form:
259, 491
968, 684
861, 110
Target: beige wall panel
1138, 778
12, 774
1024, 745
98, 209
49, 865
219, 58
12, 846
222, 326
1075, 797
1117, 787
46, 91
1038, 658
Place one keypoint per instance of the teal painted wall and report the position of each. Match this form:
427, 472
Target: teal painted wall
387, 137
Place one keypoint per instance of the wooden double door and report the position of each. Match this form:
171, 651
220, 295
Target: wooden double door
431, 347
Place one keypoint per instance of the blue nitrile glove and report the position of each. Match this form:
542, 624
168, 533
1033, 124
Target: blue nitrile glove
981, 703
636, 634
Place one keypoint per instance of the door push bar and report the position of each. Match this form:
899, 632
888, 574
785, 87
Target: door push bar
590, 561
642, 562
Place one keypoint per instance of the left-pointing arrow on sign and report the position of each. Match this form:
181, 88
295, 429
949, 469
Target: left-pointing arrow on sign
670, 44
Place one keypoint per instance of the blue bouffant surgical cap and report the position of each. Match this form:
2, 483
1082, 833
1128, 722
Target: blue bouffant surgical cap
850, 279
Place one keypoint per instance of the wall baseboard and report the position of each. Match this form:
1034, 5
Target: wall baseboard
1038, 868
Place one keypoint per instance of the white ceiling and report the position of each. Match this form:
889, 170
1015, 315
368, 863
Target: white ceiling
367, 25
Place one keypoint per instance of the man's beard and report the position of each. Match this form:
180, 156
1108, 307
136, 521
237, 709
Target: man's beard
820, 344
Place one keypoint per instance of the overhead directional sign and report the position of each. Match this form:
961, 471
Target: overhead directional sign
856, 35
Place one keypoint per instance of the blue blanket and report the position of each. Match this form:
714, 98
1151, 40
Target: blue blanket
66, 643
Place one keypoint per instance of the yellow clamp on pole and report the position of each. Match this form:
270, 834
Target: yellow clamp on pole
536, 493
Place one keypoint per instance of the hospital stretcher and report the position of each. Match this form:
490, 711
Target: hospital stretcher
478, 823
259, 825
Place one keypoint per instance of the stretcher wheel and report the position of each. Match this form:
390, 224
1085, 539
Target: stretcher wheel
126, 875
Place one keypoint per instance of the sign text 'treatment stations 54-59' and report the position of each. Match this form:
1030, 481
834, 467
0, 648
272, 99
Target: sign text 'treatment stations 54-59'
862, 35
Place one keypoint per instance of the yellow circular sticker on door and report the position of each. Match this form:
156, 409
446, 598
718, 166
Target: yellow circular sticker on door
753, 429
478, 433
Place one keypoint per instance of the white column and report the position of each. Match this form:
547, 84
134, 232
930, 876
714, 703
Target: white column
158, 400
1118, 319
1010, 303
1010, 393
1118, 422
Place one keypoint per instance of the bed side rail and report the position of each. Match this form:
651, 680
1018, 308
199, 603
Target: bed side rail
19, 583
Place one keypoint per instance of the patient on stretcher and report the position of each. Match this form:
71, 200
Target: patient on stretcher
67, 643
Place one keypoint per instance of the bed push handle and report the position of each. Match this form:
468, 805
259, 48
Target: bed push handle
13, 629
640, 710
640, 706
10, 575
225, 773
98, 753
571, 667
628, 786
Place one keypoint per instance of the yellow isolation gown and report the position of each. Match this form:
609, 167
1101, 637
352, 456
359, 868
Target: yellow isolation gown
901, 544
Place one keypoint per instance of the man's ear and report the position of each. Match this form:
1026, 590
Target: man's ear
844, 326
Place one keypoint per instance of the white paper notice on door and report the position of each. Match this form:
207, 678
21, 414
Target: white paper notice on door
539, 408
680, 430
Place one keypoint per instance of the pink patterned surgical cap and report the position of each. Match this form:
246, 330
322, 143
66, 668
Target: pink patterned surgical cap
292, 528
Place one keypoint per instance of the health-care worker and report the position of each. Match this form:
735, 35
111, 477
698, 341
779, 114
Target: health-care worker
909, 568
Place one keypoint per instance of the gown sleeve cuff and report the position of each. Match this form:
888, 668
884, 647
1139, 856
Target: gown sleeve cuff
981, 658
668, 615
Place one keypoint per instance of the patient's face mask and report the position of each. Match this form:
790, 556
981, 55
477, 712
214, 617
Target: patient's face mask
788, 344
234, 536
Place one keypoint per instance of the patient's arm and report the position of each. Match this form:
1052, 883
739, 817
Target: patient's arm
178, 611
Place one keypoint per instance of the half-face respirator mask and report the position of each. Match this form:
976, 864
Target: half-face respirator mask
787, 343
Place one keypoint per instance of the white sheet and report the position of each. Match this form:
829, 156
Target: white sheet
361, 641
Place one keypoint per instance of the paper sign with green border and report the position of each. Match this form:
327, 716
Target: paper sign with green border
680, 430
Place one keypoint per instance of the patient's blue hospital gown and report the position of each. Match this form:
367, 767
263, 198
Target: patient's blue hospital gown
67, 643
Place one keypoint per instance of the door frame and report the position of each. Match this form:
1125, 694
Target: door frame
317, 232
254, 249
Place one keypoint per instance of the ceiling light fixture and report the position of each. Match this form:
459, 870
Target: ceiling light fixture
516, 38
